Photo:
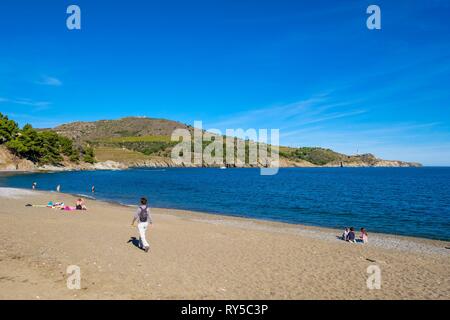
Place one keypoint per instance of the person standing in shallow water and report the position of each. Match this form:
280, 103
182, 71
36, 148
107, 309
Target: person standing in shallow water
144, 219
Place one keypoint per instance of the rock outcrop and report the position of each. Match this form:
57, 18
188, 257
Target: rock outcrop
8, 162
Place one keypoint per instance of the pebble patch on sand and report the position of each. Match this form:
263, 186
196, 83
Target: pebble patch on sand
387, 242
12, 193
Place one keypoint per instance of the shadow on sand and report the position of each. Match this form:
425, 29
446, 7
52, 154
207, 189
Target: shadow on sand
135, 242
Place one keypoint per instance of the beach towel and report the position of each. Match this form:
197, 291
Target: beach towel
36, 205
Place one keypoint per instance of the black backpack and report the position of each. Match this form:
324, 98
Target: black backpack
143, 215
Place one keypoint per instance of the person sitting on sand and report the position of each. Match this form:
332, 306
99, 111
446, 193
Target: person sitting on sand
364, 236
351, 235
345, 234
144, 219
80, 205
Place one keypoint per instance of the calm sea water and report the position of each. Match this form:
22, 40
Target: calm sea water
407, 201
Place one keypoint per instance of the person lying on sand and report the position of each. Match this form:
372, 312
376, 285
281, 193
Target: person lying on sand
55, 205
143, 217
50, 204
79, 205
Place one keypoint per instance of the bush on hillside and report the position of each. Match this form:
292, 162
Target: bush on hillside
88, 155
8, 129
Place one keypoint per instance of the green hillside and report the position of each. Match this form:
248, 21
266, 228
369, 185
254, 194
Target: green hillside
147, 145
135, 139
321, 156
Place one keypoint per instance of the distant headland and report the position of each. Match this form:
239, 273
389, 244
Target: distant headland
135, 142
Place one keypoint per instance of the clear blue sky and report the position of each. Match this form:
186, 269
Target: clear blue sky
310, 68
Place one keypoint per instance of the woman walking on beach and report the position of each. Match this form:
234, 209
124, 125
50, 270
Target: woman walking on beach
143, 217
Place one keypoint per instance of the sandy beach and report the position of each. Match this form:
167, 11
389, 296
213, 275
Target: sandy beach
201, 256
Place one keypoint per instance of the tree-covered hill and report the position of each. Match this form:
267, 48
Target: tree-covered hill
42, 147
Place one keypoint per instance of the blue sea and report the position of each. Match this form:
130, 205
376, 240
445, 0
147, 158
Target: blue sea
405, 201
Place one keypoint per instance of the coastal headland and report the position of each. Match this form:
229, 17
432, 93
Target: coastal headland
148, 142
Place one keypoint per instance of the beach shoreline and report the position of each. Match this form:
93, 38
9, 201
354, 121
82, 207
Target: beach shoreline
201, 256
246, 222
328, 233
222, 215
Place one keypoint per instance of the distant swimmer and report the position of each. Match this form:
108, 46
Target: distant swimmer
34, 186
93, 189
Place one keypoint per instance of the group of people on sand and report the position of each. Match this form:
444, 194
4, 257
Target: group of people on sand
79, 205
142, 215
350, 236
